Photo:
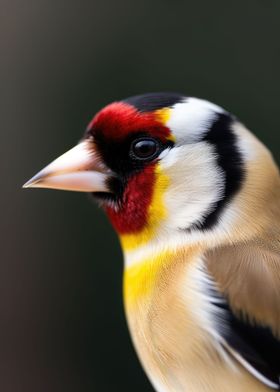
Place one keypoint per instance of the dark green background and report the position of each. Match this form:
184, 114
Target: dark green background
62, 326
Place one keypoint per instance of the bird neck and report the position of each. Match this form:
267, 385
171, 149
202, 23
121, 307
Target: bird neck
147, 272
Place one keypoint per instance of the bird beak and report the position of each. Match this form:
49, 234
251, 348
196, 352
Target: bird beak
79, 169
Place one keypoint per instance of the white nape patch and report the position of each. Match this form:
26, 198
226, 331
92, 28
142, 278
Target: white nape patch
246, 141
191, 119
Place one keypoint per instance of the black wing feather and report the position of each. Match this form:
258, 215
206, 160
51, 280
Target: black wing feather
256, 344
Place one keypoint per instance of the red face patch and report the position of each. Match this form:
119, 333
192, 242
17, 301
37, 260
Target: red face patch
132, 216
118, 120
114, 125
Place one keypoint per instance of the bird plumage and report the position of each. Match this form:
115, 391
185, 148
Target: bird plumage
194, 197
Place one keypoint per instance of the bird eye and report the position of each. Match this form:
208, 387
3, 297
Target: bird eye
145, 148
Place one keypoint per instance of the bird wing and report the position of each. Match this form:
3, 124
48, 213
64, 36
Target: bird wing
248, 277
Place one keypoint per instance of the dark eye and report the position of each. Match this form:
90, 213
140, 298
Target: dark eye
145, 148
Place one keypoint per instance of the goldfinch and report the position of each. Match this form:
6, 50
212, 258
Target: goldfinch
195, 199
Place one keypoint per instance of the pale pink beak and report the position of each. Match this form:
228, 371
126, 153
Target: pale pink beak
79, 169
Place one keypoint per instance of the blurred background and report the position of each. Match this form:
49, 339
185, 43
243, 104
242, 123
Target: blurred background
62, 325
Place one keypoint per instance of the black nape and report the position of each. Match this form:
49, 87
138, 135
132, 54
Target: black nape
154, 101
229, 158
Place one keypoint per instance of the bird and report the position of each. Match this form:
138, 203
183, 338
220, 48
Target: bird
194, 197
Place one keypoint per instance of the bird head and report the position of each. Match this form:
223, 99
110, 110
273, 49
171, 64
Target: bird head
162, 165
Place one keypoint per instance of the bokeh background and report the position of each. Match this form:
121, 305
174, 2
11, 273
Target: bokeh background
62, 325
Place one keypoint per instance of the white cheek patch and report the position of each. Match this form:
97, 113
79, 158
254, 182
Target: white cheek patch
191, 119
196, 184
169, 157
